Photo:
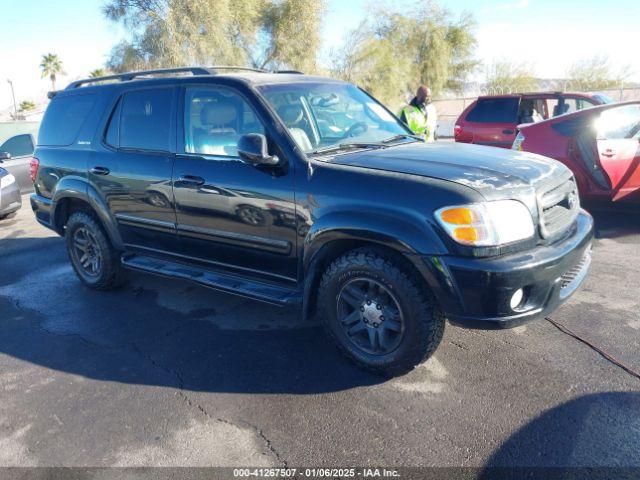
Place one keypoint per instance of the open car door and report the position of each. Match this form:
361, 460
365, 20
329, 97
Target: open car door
618, 145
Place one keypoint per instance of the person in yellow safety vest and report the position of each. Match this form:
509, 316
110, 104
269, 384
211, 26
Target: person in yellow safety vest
420, 115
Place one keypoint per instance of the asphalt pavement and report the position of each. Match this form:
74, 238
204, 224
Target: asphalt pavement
164, 372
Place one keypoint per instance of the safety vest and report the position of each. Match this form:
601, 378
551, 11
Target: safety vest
422, 124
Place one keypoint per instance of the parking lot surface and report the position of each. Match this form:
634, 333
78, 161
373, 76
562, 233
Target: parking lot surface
163, 372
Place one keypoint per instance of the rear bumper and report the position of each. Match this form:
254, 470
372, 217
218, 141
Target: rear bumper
477, 292
10, 199
42, 208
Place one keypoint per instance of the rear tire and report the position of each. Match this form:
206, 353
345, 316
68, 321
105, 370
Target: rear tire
94, 259
380, 316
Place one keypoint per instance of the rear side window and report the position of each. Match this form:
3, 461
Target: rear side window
18, 146
145, 119
64, 119
494, 110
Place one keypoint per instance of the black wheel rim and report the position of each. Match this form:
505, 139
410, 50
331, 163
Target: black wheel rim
370, 316
87, 252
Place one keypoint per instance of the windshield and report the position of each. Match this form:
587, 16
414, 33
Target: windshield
321, 116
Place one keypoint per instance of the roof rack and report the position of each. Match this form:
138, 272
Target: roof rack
123, 77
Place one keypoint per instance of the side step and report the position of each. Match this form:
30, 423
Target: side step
223, 282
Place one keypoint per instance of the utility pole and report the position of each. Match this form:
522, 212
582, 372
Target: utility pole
15, 108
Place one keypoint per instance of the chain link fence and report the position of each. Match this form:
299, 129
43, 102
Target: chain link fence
449, 109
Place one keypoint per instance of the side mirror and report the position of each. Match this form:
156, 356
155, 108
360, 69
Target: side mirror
252, 148
5, 156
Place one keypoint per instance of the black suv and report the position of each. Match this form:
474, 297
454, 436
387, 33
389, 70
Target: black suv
305, 191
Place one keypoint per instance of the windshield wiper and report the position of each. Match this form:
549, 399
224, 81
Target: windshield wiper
401, 136
347, 146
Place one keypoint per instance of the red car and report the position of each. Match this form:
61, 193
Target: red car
600, 145
492, 120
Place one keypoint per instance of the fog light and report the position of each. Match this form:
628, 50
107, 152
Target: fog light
516, 299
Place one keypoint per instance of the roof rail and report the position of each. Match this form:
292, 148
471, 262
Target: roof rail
213, 70
123, 77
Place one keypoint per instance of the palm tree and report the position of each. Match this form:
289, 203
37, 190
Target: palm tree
98, 72
51, 66
27, 105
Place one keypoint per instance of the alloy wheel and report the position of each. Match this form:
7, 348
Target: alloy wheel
86, 251
370, 316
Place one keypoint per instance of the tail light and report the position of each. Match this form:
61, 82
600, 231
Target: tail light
457, 130
33, 168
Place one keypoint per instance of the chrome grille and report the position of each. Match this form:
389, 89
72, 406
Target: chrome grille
558, 206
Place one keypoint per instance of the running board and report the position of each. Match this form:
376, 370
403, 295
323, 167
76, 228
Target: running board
223, 282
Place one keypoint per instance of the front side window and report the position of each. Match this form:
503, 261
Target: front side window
619, 123
18, 146
145, 120
214, 120
323, 115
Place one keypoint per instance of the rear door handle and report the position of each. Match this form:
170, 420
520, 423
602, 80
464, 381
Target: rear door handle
191, 180
507, 132
100, 170
608, 153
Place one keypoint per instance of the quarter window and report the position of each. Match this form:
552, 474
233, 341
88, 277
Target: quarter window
145, 121
64, 118
214, 120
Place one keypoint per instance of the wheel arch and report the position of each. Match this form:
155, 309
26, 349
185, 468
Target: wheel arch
324, 245
77, 194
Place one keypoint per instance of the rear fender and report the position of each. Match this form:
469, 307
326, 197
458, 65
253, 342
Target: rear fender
79, 188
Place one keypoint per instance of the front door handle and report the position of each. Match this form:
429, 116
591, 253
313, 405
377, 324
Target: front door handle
507, 132
100, 170
191, 180
608, 153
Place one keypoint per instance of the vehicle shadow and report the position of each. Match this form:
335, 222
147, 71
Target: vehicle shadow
592, 436
158, 331
615, 220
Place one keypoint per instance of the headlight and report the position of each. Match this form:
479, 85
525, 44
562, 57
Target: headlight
517, 143
7, 180
487, 224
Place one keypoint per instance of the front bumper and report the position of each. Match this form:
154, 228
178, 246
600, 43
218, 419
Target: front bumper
10, 199
476, 292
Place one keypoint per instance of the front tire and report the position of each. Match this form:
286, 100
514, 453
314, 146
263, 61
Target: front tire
94, 259
380, 316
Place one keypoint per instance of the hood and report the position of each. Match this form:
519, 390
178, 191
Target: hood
491, 171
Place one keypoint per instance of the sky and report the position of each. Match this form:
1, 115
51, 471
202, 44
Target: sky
548, 34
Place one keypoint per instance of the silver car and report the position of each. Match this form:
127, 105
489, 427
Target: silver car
10, 199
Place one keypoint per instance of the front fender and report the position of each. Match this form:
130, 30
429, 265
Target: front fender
79, 188
415, 240
407, 236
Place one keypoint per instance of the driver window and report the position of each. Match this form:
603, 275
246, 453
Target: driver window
214, 120
619, 123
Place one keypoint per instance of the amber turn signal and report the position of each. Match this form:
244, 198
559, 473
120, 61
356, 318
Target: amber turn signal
458, 216
466, 234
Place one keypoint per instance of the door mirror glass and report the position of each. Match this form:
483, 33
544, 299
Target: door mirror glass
252, 148
5, 156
